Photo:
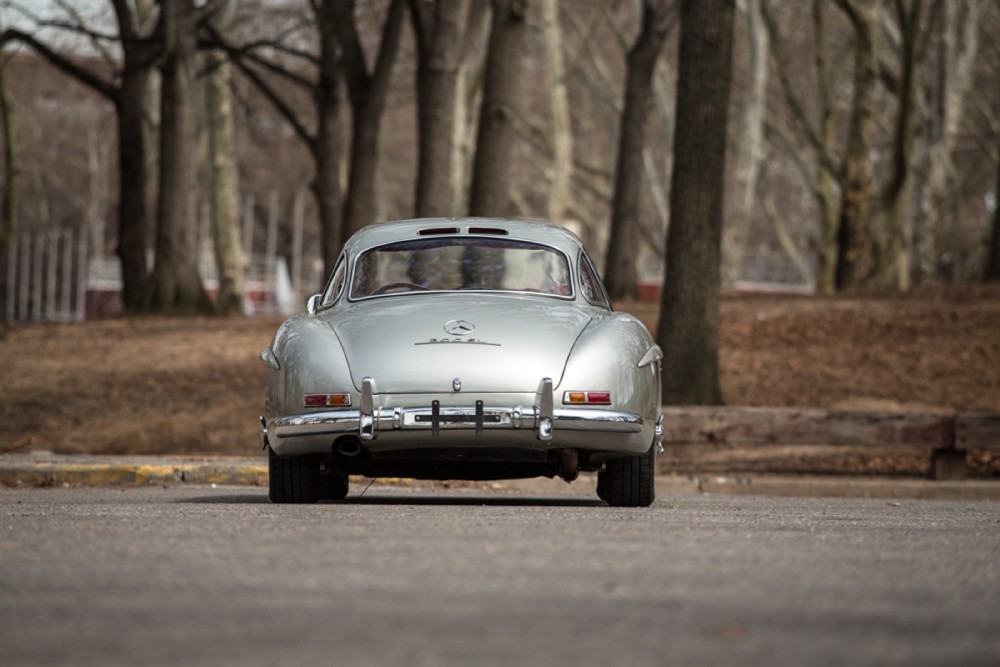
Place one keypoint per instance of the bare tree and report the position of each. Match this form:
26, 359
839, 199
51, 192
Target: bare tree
562, 130
957, 46
688, 330
274, 63
854, 241
174, 286
223, 177
11, 173
492, 168
367, 88
817, 157
277, 60
894, 244
125, 88
440, 30
621, 272
749, 150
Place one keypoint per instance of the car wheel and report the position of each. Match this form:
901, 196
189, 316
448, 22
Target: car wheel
628, 482
602, 486
292, 480
333, 485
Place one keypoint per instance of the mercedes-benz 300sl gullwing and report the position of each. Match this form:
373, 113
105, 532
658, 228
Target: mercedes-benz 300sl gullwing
473, 348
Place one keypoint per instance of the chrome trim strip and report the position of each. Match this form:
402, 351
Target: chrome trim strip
461, 234
545, 409
337, 422
652, 355
366, 427
268, 357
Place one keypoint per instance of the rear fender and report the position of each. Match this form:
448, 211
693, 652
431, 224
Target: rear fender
309, 359
616, 353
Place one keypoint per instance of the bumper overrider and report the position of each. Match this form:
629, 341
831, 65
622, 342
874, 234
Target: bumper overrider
543, 419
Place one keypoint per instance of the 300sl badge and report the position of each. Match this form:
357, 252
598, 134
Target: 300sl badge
460, 341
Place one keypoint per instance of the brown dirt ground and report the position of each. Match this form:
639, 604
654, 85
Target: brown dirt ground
194, 386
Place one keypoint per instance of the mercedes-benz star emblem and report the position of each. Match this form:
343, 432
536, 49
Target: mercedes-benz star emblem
459, 328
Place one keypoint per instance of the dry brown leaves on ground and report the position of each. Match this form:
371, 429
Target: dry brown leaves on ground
195, 386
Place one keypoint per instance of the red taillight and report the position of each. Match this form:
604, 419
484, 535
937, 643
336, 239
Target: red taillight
587, 398
327, 400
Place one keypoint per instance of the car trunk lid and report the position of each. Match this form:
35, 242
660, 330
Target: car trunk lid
489, 343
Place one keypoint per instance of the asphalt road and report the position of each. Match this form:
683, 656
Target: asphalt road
217, 576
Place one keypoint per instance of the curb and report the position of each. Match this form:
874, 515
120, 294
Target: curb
848, 487
109, 471
40, 470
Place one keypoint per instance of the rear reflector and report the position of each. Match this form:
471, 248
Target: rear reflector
327, 400
587, 398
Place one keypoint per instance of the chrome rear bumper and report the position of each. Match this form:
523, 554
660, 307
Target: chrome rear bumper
369, 421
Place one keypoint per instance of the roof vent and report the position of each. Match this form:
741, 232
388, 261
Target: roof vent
495, 231
437, 231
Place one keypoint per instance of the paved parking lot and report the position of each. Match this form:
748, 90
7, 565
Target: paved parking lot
201, 575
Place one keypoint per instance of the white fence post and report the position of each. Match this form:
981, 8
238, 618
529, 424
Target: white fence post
248, 219
36, 278
24, 286
11, 277
51, 312
67, 273
270, 250
81, 279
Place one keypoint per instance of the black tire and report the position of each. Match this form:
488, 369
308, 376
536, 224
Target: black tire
602, 486
333, 485
292, 480
628, 482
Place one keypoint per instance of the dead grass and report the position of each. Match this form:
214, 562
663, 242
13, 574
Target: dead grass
195, 386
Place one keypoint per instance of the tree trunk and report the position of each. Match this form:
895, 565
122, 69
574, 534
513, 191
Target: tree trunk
225, 221
326, 187
440, 31
368, 93
135, 142
893, 257
12, 170
621, 268
826, 181
175, 286
133, 217
817, 162
750, 148
326, 147
688, 330
493, 167
857, 183
957, 47
132, 210
468, 99
562, 130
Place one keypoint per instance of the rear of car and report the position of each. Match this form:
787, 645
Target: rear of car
461, 350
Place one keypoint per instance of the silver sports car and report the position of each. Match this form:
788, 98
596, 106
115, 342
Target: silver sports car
468, 348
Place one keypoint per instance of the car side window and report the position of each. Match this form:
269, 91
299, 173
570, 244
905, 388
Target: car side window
590, 284
336, 284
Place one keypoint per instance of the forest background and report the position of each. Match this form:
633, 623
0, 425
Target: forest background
860, 138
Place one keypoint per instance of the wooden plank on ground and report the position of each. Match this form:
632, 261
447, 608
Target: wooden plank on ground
807, 426
977, 431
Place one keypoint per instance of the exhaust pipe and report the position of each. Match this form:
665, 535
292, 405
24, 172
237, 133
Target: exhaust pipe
349, 447
569, 464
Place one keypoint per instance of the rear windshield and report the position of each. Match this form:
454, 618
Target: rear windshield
451, 264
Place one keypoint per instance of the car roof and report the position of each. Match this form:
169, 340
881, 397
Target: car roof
402, 230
